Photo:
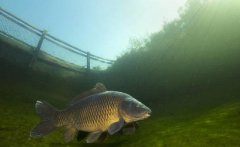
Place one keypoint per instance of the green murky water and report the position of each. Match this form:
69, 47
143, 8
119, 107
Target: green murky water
188, 74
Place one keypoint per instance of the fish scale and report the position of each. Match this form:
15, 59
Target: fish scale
98, 113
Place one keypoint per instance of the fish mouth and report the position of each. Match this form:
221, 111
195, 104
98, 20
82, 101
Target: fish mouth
147, 114
143, 116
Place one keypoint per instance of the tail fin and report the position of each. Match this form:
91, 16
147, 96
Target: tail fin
48, 122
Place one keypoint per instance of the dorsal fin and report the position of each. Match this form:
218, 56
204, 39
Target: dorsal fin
98, 88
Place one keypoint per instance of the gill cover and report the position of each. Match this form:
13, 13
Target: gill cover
133, 110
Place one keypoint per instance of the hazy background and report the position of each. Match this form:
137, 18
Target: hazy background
102, 27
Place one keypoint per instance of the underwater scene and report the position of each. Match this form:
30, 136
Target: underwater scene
177, 87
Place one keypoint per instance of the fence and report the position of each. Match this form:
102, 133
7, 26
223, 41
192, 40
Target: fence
44, 43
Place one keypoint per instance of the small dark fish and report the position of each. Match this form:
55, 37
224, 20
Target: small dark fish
105, 111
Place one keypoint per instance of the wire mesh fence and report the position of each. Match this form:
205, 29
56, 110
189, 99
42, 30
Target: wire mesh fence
60, 51
9, 28
50, 47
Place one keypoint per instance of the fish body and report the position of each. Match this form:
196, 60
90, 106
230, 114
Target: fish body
93, 113
105, 111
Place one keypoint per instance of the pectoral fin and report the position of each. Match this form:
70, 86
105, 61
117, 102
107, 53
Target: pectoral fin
93, 137
69, 134
115, 127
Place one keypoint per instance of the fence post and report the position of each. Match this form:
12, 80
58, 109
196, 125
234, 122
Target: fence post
37, 49
88, 61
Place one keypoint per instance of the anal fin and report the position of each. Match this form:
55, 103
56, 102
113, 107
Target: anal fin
69, 133
93, 137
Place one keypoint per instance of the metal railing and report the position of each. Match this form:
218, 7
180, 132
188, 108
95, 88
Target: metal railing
42, 42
